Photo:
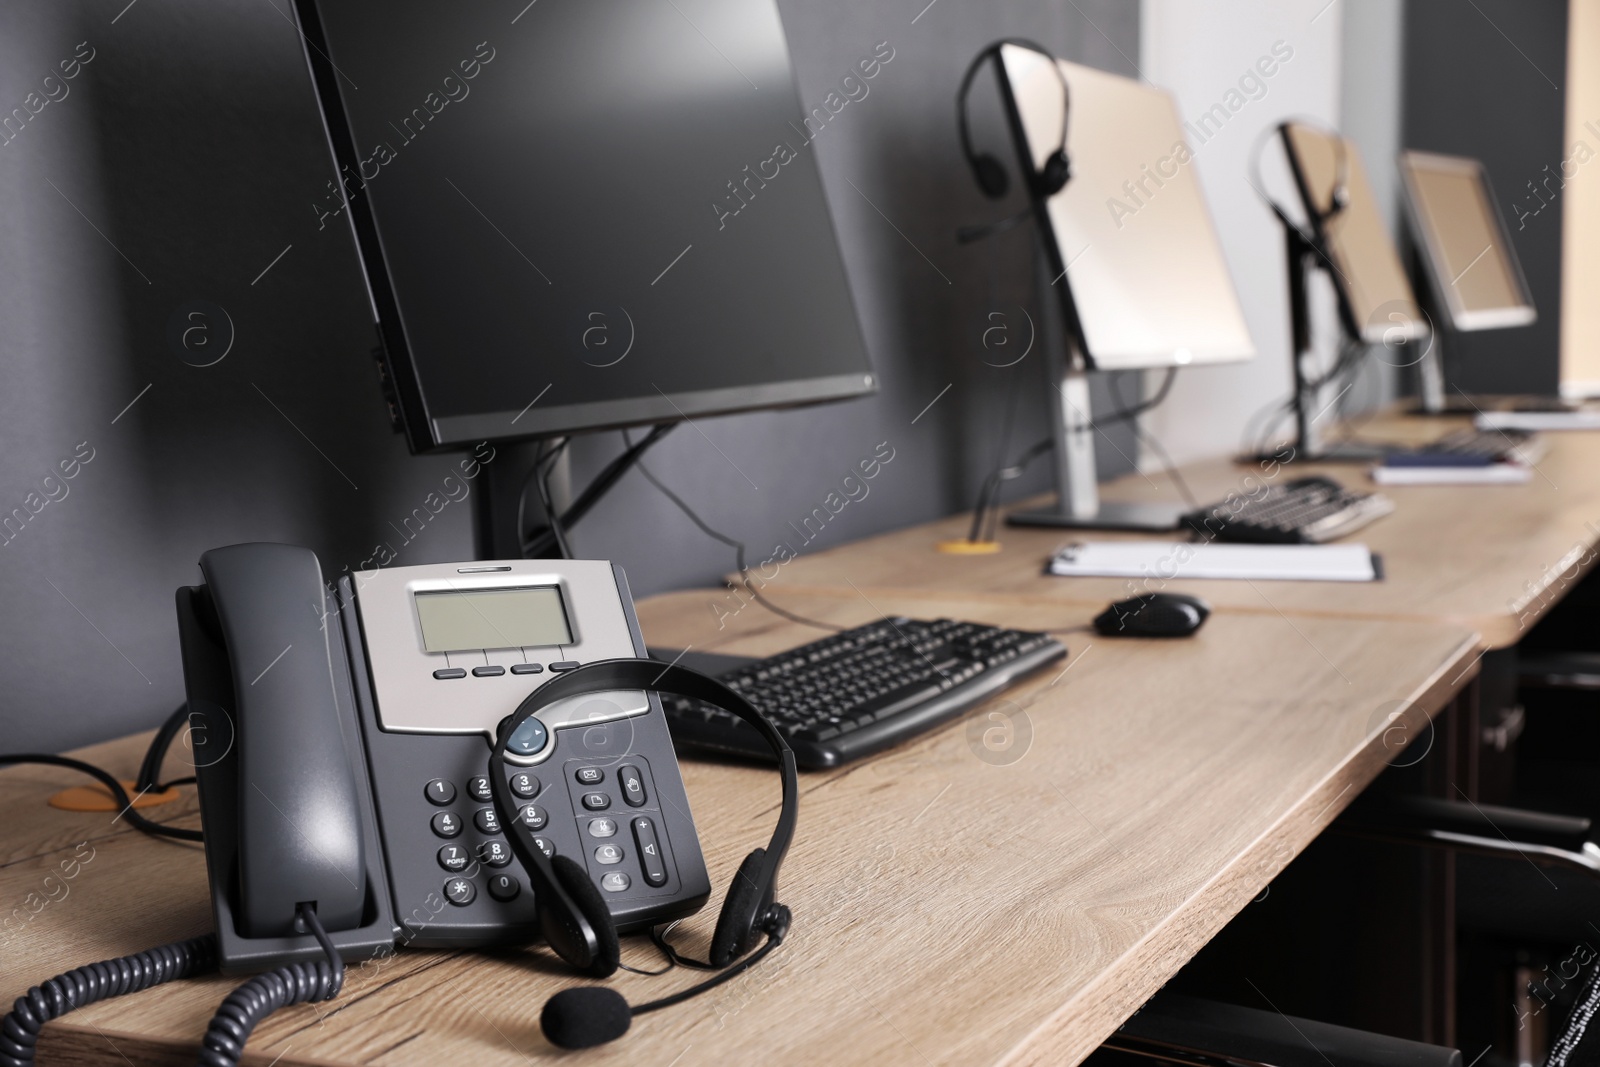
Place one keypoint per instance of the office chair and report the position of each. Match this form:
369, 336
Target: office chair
1172, 1028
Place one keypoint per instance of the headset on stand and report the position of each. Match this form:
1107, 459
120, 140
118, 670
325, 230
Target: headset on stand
573, 917
988, 171
1338, 196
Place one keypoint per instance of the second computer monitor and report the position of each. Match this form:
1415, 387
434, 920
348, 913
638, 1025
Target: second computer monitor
1375, 297
1464, 244
1131, 230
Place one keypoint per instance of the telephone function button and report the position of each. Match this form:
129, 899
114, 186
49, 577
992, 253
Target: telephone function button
487, 820
615, 882
533, 816
565, 665
503, 887
632, 785
596, 801
644, 835
608, 854
494, 853
447, 824
525, 786
460, 892
444, 674
528, 739
527, 668
478, 789
602, 828
488, 672
543, 845
590, 775
453, 858
440, 791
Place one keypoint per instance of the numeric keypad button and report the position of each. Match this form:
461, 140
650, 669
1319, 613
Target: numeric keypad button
460, 892
525, 786
532, 816
494, 853
478, 789
440, 792
543, 845
503, 887
487, 820
447, 824
453, 858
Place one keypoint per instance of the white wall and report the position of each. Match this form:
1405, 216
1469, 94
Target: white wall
1199, 52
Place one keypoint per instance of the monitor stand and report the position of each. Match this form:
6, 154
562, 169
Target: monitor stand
1308, 446
1078, 503
1432, 399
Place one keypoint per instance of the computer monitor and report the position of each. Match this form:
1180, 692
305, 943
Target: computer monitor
1131, 231
1463, 242
1131, 258
579, 216
1376, 304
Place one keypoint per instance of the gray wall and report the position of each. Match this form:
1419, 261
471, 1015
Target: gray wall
185, 157
1486, 80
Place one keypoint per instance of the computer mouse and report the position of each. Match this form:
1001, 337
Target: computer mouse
1153, 615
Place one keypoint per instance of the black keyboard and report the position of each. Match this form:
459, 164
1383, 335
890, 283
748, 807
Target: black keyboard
1470, 447
1305, 511
866, 689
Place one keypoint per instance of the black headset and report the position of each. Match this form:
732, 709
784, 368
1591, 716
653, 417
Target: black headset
573, 917
988, 171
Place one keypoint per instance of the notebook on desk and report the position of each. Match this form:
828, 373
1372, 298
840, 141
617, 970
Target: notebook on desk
1168, 560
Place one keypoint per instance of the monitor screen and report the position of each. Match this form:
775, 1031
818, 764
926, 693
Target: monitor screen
1131, 231
1375, 296
1464, 243
583, 215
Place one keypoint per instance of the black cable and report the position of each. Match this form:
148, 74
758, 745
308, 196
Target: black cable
1159, 449
247, 1006
148, 780
118, 793
735, 544
19, 1032
733, 971
543, 541
542, 466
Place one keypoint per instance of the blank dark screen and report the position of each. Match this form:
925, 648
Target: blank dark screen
561, 225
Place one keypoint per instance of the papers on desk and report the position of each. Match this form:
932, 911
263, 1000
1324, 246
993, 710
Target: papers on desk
1536, 421
1483, 474
1169, 560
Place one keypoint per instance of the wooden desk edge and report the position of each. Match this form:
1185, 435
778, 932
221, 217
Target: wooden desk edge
1076, 1029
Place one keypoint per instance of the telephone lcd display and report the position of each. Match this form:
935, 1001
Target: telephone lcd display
466, 620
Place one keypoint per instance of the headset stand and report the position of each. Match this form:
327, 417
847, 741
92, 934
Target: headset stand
1072, 428
1307, 446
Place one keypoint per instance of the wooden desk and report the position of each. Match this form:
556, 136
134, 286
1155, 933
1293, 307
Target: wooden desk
1490, 558
955, 901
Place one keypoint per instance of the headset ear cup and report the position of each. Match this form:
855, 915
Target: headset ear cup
736, 924
1057, 172
991, 176
575, 880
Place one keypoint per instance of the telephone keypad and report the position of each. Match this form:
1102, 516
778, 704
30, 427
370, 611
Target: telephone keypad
447, 824
460, 892
503, 887
544, 845
453, 858
440, 791
525, 786
487, 820
533, 816
478, 789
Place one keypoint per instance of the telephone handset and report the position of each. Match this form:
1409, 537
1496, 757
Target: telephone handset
342, 741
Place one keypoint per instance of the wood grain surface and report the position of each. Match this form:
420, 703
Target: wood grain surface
1006, 889
1490, 558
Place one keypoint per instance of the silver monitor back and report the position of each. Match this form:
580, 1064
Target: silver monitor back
1464, 243
1142, 262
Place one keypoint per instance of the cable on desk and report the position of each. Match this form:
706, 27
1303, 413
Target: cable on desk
19, 1032
119, 794
297, 983
150, 770
734, 543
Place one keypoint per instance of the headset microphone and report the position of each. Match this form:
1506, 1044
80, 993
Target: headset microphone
586, 1016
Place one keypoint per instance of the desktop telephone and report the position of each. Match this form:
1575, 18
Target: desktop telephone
342, 738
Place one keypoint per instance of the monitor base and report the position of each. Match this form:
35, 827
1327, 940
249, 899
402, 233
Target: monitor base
1148, 518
